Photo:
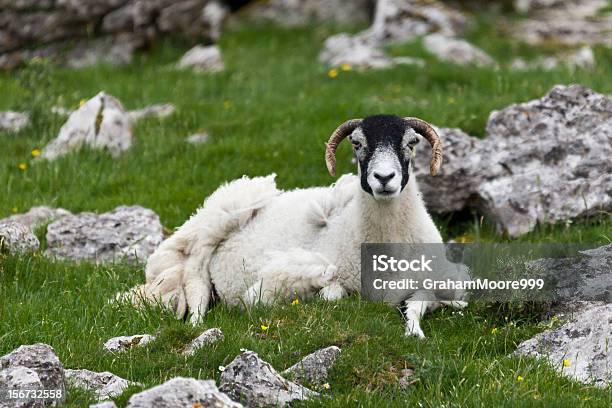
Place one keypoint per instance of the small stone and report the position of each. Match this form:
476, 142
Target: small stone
159, 110
42, 359
182, 392
101, 123
126, 233
124, 343
209, 337
457, 51
314, 367
198, 138
13, 121
203, 59
104, 385
256, 383
17, 238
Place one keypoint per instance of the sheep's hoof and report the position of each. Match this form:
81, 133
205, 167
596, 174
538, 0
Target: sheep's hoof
414, 331
332, 292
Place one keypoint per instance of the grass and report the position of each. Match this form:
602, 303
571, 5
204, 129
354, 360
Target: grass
270, 111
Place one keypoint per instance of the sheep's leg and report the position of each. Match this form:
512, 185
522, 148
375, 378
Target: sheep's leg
333, 291
293, 272
414, 311
198, 287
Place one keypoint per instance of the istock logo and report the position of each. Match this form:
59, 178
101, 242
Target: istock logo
384, 263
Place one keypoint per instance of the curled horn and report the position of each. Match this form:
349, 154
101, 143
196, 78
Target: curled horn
427, 131
339, 134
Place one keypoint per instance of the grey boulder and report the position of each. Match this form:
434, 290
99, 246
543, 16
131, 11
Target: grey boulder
37, 216
124, 343
256, 383
17, 238
104, 385
101, 123
314, 367
20, 378
579, 349
456, 51
203, 59
40, 358
543, 161
126, 233
182, 392
158, 111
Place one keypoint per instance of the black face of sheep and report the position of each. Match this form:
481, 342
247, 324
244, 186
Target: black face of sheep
383, 146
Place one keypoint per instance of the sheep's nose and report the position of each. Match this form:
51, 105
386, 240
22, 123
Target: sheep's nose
384, 179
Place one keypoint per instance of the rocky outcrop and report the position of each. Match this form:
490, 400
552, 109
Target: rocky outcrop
543, 161
80, 33
293, 13
182, 392
207, 338
314, 367
456, 51
100, 123
104, 385
203, 59
572, 22
17, 238
579, 349
394, 21
126, 233
125, 343
256, 383
41, 359
583, 58
13, 121
37, 216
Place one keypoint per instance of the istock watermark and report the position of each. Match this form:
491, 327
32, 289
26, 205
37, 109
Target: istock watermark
493, 272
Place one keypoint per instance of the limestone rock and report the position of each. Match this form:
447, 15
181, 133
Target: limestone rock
104, 385
198, 138
42, 359
124, 343
579, 349
131, 233
20, 378
345, 49
37, 216
13, 121
457, 51
101, 123
104, 404
583, 58
203, 59
294, 13
158, 110
16, 238
314, 367
251, 380
394, 21
207, 338
182, 392
117, 50
543, 161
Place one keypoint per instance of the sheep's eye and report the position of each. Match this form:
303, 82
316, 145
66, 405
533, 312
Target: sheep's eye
356, 144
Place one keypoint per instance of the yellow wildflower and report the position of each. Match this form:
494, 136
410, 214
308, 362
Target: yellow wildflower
227, 104
264, 327
295, 302
346, 67
332, 73
566, 362
82, 102
494, 330
35, 152
14, 210
23, 166
326, 386
519, 378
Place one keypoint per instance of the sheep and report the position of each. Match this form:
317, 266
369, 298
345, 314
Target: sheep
250, 242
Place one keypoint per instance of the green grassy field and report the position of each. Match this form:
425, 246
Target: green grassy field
270, 111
